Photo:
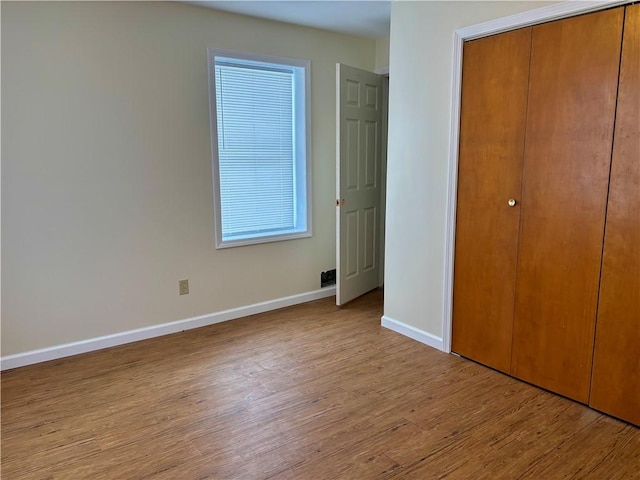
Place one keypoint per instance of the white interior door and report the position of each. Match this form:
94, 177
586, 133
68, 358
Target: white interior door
358, 181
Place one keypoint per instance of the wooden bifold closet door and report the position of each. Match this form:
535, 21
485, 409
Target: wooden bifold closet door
494, 107
570, 117
541, 290
615, 385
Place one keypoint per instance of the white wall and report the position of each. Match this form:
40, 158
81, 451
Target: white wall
106, 168
421, 54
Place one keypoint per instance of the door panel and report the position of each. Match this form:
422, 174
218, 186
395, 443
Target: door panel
358, 181
352, 134
351, 240
370, 228
494, 103
570, 118
615, 385
371, 157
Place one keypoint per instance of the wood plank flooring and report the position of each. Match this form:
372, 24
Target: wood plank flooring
308, 392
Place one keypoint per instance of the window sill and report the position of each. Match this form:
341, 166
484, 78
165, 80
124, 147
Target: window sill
240, 242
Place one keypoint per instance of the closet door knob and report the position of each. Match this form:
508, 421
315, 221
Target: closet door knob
512, 202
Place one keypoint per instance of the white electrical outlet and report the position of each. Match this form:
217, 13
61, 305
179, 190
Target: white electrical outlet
183, 286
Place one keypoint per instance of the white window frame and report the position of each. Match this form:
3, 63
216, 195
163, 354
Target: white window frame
304, 178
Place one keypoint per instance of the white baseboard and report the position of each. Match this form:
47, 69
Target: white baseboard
413, 332
92, 344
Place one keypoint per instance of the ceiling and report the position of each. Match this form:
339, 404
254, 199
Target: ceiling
368, 18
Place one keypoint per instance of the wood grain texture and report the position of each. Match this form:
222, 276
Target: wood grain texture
308, 392
493, 113
570, 118
615, 385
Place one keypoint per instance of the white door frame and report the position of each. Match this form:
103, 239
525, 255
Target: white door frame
524, 19
383, 166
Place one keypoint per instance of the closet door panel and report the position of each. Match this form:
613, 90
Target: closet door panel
570, 118
615, 385
493, 111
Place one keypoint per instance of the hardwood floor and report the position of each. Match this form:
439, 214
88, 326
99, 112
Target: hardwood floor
307, 392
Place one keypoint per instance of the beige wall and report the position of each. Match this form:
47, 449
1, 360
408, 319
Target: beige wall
382, 53
106, 168
421, 54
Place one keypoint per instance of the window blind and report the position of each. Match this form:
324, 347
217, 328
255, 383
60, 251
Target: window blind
256, 148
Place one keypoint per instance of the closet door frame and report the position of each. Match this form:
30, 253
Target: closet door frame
525, 19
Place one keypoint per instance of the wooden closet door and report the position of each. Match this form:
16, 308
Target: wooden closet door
615, 385
570, 118
493, 111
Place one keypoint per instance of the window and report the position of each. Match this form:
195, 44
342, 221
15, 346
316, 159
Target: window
260, 145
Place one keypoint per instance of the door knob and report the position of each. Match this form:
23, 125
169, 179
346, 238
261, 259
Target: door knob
512, 202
